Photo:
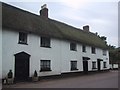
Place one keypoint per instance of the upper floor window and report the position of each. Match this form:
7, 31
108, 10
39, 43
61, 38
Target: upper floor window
104, 65
93, 65
104, 52
74, 65
45, 42
93, 50
22, 38
84, 48
73, 46
45, 65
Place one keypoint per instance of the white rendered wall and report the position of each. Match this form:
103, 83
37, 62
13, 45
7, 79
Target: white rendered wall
11, 47
68, 56
59, 54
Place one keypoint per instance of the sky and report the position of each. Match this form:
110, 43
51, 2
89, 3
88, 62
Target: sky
100, 15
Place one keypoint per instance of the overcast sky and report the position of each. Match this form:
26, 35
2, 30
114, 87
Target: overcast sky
100, 15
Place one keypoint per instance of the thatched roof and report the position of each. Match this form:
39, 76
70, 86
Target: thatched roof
16, 19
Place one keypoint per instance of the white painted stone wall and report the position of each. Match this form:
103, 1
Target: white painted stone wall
11, 47
59, 54
68, 56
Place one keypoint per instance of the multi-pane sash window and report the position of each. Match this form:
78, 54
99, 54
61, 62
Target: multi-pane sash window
93, 65
73, 46
93, 51
104, 65
45, 65
22, 38
74, 65
104, 52
45, 42
84, 48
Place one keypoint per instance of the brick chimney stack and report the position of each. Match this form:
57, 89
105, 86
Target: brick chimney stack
86, 28
44, 11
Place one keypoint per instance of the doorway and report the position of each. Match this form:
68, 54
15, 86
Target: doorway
22, 66
85, 66
99, 64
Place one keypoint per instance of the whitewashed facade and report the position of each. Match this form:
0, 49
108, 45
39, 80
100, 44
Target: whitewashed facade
59, 55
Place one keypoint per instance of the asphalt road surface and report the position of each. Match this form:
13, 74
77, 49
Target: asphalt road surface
99, 80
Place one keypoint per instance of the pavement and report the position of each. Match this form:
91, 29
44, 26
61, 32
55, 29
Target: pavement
99, 80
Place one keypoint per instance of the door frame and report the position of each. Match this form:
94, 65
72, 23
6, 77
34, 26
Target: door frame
19, 56
85, 61
85, 66
99, 64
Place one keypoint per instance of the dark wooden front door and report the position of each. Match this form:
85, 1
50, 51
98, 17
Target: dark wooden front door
21, 66
85, 66
98, 64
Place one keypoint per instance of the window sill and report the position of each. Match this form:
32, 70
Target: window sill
73, 50
22, 43
73, 69
46, 46
45, 70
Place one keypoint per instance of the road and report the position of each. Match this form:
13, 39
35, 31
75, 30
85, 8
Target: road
99, 80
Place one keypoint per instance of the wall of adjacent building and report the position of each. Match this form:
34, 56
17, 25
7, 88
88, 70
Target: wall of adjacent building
68, 55
59, 54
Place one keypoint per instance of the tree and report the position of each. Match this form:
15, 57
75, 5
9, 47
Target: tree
114, 54
104, 39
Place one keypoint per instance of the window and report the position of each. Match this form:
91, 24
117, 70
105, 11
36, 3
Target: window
84, 48
74, 65
22, 38
93, 65
104, 52
104, 65
45, 65
93, 51
45, 42
73, 46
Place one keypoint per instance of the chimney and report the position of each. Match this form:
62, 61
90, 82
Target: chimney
44, 11
86, 28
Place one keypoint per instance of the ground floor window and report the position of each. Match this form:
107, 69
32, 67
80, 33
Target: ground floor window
74, 65
104, 65
93, 65
45, 65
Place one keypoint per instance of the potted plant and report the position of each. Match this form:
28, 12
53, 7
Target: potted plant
35, 76
10, 77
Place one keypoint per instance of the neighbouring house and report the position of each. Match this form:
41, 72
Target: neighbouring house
35, 42
114, 66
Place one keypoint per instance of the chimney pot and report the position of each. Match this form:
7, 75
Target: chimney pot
86, 28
